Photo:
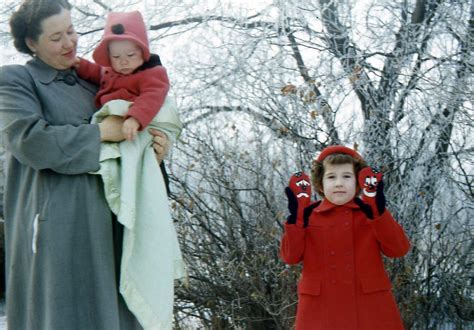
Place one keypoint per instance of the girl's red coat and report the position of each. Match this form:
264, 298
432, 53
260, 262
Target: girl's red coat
344, 284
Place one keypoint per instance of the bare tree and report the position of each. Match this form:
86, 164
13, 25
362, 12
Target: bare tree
401, 92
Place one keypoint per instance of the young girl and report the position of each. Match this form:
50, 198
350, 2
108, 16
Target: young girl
125, 69
340, 241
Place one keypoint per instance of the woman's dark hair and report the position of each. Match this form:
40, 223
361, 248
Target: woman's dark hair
26, 21
317, 169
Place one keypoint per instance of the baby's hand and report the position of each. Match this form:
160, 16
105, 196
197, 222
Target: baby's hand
77, 62
130, 128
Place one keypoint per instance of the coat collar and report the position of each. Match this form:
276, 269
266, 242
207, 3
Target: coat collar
46, 74
326, 205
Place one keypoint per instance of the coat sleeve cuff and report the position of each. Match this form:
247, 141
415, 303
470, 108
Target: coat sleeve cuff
392, 237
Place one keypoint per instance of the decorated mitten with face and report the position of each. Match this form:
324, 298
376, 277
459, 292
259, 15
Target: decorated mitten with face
298, 193
370, 180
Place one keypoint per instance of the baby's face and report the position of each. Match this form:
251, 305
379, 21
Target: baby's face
339, 183
125, 56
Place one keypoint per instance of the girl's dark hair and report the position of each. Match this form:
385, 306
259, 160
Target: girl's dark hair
317, 169
26, 21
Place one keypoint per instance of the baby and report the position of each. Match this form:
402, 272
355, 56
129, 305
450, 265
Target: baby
124, 69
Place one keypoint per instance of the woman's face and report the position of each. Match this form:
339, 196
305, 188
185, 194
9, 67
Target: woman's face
339, 183
56, 46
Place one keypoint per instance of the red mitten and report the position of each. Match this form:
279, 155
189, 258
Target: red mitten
370, 180
298, 193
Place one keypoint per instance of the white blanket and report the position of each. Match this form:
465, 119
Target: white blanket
136, 193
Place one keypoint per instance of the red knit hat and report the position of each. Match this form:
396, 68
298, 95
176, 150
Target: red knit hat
122, 26
337, 149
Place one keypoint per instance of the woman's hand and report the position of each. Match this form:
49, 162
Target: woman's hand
161, 144
111, 129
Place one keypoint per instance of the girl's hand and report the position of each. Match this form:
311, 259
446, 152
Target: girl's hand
298, 193
370, 180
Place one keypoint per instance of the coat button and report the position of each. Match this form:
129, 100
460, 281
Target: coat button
333, 253
333, 281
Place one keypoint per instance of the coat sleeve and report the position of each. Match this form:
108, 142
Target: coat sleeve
153, 89
89, 71
292, 244
32, 140
391, 236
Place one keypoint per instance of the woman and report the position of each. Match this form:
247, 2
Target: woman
62, 267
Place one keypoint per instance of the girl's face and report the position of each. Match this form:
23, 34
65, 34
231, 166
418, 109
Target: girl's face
339, 183
125, 56
56, 45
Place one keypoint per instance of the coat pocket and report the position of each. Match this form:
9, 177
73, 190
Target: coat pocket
376, 283
310, 286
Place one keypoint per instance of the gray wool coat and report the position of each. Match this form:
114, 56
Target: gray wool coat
60, 251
